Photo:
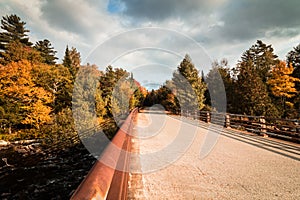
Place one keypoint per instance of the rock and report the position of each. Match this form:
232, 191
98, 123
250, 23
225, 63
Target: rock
25, 142
4, 143
21, 151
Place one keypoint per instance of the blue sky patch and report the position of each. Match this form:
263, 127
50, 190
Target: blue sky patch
115, 6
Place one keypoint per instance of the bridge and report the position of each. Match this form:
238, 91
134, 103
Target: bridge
171, 157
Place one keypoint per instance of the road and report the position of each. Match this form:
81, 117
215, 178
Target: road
240, 166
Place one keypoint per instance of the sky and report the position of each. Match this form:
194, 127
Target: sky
150, 37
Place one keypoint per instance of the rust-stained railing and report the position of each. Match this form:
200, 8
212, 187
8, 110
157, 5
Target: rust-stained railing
108, 178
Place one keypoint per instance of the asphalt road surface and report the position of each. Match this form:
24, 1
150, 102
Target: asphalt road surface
239, 166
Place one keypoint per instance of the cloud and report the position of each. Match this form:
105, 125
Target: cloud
225, 28
159, 10
244, 19
85, 18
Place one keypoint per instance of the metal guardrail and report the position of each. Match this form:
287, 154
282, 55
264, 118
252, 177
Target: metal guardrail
288, 129
104, 181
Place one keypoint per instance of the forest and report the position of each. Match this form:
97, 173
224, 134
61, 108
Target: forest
36, 90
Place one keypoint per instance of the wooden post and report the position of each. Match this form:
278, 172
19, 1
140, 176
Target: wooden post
208, 117
263, 127
227, 121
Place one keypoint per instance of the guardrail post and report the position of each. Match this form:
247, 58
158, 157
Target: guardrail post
263, 127
227, 121
208, 117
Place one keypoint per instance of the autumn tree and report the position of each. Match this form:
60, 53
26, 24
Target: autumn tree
167, 98
58, 81
282, 84
86, 110
47, 52
16, 51
23, 102
138, 96
13, 30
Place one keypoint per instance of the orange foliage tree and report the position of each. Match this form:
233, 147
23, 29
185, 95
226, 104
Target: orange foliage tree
21, 97
281, 83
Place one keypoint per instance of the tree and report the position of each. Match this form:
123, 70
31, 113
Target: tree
14, 30
293, 58
251, 93
282, 84
16, 51
47, 51
23, 101
166, 98
108, 83
72, 61
188, 85
58, 81
84, 106
261, 57
219, 80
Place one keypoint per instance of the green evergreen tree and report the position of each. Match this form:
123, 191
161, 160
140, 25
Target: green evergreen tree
293, 58
13, 30
72, 61
108, 82
262, 58
188, 76
252, 96
219, 80
47, 51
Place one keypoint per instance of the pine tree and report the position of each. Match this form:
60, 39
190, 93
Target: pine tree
72, 61
14, 30
47, 51
262, 58
188, 85
252, 97
218, 81
108, 82
293, 58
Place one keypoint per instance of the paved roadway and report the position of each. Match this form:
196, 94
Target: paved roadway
240, 166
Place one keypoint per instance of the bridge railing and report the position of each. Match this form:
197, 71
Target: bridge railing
281, 128
108, 178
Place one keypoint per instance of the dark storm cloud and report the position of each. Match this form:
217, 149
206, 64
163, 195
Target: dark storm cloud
158, 10
244, 19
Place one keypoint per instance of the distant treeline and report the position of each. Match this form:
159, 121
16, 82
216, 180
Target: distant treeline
260, 84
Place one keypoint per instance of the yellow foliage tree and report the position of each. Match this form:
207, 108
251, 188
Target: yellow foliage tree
281, 83
19, 90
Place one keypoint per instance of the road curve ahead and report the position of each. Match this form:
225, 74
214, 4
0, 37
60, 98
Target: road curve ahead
240, 166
